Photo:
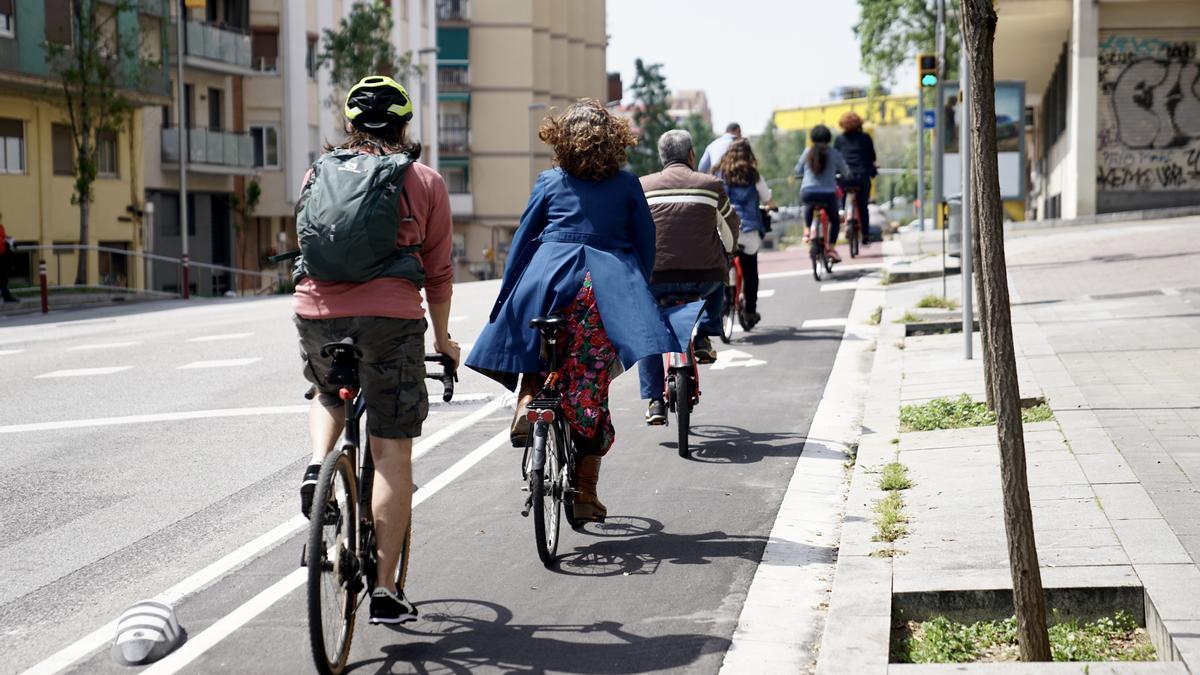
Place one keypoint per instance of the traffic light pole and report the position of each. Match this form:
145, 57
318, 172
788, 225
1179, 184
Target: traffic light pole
921, 155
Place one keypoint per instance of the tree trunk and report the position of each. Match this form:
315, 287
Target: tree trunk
81, 268
978, 31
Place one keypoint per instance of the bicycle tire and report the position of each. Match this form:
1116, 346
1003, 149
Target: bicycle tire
829, 264
852, 231
815, 254
730, 315
337, 466
683, 411
546, 512
402, 565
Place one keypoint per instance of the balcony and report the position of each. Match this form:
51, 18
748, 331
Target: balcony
454, 140
452, 10
453, 78
216, 48
462, 204
220, 152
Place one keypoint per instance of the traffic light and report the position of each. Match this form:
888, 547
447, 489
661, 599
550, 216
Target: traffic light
927, 70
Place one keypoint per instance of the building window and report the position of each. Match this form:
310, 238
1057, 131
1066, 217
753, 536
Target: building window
106, 154
189, 119
266, 146
456, 179
58, 22
216, 109
264, 49
12, 145
62, 149
310, 57
6, 18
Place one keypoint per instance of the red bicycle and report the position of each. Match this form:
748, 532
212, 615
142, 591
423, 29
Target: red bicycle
735, 301
820, 249
854, 220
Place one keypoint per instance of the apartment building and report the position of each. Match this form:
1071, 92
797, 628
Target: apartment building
502, 65
36, 154
256, 112
1111, 87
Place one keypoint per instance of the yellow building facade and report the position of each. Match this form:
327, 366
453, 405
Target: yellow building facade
897, 110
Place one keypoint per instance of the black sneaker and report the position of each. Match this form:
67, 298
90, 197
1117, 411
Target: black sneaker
307, 487
702, 347
656, 412
389, 607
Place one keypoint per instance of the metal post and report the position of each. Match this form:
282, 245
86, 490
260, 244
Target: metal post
964, 153
184, 144
939, 132
45, 288
921, 155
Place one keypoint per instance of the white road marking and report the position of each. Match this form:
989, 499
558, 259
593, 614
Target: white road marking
765, 293
226, 625
223, 336
219, 363
839, 286
823, 323
155, 417
436, 438
807, 270
6, 352
84, 372
103, 635
102, 345
732, 358
1171, 291
456, 319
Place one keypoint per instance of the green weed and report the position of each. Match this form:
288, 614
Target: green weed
890, 521
894, 477
937, 301
876, 316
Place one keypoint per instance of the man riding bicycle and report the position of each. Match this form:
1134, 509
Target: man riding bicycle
696, 231
377, 305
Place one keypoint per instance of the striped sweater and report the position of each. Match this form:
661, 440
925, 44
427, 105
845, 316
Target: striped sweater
695, 223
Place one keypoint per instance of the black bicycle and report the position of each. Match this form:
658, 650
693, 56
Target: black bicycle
682, 384
548, 465
340, 552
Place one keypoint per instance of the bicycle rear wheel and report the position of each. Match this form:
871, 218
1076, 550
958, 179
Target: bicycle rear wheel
816, 252
334, 580
547, 493
730, 314
683, 410
852, 233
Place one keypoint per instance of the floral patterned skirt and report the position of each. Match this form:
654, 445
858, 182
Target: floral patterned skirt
589, 363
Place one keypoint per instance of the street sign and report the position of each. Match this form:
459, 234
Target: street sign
930, 119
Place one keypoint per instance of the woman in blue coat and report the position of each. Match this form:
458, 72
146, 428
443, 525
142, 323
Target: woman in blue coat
584, 249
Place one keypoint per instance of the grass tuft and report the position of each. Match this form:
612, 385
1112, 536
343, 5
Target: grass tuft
894, 477
890, 521
1038, 413
959, 413
876, 316
940, 640
909, 317
936, 301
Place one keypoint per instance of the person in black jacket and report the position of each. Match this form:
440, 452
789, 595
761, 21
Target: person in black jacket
859, 151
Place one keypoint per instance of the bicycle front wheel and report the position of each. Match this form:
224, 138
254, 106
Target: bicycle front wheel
729, 316
683, 410
547, 493
334, 579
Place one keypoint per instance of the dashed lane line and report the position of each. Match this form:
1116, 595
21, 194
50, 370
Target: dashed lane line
228, 624
824, 323
219, 363
83, 372
102, 345
839, 286
98, 638
219, 337
6, 352
766, 293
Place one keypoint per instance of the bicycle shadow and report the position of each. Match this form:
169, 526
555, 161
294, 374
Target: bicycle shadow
723, 444
763, 335
463, 636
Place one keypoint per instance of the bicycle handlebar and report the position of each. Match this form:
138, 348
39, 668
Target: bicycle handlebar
448, 376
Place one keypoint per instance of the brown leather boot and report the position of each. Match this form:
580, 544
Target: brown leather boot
519, 432
587, 505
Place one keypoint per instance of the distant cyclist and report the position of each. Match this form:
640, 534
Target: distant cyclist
711, 158
697, 228
818, 168
748, 191
858, 150
379, 306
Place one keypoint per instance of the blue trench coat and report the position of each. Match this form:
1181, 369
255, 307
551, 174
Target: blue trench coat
570, 227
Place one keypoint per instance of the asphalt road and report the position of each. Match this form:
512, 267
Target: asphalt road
189, 440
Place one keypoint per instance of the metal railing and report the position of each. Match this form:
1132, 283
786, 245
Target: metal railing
453, 10
220, 148
215, 43
454, 139
453, 78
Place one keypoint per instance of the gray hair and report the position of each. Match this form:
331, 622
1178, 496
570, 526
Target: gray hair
674, 146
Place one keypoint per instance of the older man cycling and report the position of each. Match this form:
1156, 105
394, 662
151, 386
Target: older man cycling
696, 230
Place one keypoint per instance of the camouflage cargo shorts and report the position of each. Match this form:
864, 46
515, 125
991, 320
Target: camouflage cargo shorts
391, 371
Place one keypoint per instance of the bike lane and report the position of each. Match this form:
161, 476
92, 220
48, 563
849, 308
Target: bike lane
658, 588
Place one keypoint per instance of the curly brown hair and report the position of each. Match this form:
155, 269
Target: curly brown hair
589, 141
850, 122
738, 165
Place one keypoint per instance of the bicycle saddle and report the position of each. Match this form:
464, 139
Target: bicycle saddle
674, 299
339, 348
548, 323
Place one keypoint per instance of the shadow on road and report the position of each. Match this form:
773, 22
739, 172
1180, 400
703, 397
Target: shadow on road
769, 335
721, 444
462, 636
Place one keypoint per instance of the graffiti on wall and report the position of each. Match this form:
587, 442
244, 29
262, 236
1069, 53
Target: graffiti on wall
1148, 117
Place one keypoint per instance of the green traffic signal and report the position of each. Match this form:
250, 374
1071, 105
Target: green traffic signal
929, 80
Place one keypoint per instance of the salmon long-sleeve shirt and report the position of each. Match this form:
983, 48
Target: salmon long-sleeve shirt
394, 297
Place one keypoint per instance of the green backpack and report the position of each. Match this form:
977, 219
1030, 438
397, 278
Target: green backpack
348, 219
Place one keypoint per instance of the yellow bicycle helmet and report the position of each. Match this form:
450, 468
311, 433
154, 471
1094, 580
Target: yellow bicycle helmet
376, 103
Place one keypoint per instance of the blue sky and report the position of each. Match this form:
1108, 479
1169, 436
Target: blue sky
751, 56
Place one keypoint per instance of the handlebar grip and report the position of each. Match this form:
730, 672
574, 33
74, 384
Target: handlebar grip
448, 376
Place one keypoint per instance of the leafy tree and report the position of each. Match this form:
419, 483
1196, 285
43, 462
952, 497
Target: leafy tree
361, 45
891, 32
777, 152
650, 94
96, 72
701, 131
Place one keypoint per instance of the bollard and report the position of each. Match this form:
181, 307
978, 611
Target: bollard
45, 288
187, 285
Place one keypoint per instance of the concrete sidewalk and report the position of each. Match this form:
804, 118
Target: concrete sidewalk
1108, 331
